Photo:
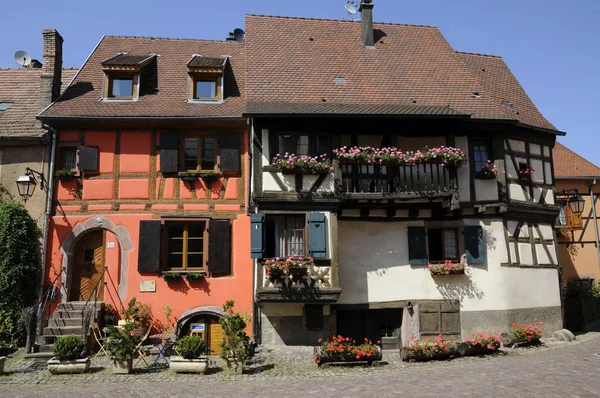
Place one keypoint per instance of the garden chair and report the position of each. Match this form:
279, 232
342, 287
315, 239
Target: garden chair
99, 339
141, 351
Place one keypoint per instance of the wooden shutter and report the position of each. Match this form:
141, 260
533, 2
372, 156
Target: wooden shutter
229, 151
474, 245
574, 220
318, 235
417, 246
149, 246
88, 158
256, 235
169, 152
439, 317
219, 246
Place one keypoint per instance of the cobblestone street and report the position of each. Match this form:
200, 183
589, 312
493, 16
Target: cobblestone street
553, 370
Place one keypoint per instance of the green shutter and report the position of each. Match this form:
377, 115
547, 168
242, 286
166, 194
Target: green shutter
417, 246
318, 235
474, 245
256, 235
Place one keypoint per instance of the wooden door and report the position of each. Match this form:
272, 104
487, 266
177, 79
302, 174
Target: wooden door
88, 267
215, 336
440, 317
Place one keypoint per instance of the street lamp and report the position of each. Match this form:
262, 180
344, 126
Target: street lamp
576, 202
26, 183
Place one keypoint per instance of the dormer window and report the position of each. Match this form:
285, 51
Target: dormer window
206, 79
122, 76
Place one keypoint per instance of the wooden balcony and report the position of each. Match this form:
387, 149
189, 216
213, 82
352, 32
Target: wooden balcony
405, 182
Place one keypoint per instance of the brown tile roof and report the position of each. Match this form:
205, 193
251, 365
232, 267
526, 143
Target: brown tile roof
22, 88
325, 108
125, 60
206, 62
168, 73
568, 164
499, 82
301, 60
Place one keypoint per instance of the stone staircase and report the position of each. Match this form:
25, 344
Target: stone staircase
67, 319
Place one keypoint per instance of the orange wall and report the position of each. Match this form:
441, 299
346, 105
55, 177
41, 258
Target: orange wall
575, 259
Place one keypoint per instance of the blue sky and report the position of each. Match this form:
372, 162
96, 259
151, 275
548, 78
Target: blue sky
552, 46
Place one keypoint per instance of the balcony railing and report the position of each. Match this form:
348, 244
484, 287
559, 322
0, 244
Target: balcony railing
420, 179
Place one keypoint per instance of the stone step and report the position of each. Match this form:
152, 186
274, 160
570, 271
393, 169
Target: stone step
45, 339
63, 330
64, 314
46, 348
79, 305
57, 322
39, 355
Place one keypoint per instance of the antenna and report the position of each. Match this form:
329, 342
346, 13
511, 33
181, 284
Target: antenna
239, 35
22, 58
351, 9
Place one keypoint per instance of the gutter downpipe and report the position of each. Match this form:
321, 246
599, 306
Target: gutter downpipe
49, 196
595, 219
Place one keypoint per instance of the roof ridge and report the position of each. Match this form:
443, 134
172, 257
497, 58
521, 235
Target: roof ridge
478, 54
170, 38
339, 20
30, 69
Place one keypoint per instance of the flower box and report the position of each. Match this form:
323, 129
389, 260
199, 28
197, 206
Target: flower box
447, 268
343, 349
303, 171
294, 265
481, 344
303, 164
427, 350
393, 156
210, 176
408, 355
188, 177
194, 276
172, 276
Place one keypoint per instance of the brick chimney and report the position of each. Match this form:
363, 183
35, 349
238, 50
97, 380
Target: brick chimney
366, 16
51, 68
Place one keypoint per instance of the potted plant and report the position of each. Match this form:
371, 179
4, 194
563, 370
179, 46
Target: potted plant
274, 268
235, 347
68, 356
189, 360
171, 276
482, 343
488, 171
194, 276
343, 349
209, 176
121, 346
525, 172
426, 350
188, 175
138, 312
65, 174
447, 268
297, 266
527, 332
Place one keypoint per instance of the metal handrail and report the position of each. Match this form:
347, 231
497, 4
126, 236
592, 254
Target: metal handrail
116, 291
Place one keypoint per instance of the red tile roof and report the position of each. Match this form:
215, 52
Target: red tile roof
171, 71
568, 164
126, 60
300, 60
21, 87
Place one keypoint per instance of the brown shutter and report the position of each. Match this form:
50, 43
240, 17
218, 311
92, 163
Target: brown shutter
229, 151
149, 246
219, 246
169, 154
88, 158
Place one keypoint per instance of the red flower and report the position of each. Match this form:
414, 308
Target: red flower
320, 340
378, 341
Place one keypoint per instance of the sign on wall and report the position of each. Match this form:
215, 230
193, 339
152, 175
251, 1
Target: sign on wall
148, 286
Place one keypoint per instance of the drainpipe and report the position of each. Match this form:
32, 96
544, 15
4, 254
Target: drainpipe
595, 220
49, 196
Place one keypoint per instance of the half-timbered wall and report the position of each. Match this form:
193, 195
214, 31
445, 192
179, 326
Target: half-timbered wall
537, 188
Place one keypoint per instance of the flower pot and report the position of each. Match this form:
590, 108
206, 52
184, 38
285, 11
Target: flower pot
275, 274
235, 366
188, 178
122, 368
2, 362
57, 367
172, 278
182, 365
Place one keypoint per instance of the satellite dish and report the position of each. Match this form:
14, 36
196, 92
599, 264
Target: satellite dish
22, 58
350, 9
239, 34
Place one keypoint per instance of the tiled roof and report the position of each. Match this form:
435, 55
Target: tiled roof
167, 74
206, 62
499, 82
569, 164
125, 60
21, 87
297, 60
324, 108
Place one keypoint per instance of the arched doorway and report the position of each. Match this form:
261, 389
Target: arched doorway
203, 321
88, 265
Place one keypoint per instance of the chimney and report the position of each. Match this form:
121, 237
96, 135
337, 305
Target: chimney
366, 16
51, 68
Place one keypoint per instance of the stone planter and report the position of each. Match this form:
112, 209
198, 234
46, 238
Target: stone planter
235, 367
122, 368
335, 357
2, 362
472, 350
408, 355
182, 365
57, 367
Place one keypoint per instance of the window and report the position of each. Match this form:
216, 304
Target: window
68, 158
386, 330
205, 89
481, 149
186, 245
443, 244
121, 87
313, 317
198, 153
303, 144
286, 236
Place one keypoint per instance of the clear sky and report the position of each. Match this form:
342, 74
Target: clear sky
552, 46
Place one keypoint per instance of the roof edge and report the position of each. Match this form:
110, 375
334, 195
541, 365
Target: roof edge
339, 20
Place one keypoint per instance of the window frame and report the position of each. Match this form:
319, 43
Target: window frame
63, 146
305, 235
488, 145
110, 76
165, 238
200, 137
194, 77
457, 232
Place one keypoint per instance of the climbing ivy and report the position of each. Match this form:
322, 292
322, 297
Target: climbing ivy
19, 270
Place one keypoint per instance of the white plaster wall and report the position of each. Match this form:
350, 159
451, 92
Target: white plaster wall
374, 268
548, 168
486, 190
515, 191
463, 173
266, 158
535, 149
538, 174
517, 146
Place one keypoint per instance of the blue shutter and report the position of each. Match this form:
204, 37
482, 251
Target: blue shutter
256, 235
318, 235
474, 245
417, 246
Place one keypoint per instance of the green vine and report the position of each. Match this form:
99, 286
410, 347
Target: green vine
19, 270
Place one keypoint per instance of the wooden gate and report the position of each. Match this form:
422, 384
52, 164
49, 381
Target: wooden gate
440, 317
88, 267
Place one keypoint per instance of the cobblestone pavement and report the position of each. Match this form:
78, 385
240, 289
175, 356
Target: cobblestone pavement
553, 370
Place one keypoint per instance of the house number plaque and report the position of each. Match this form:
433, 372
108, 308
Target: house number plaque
147, 286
